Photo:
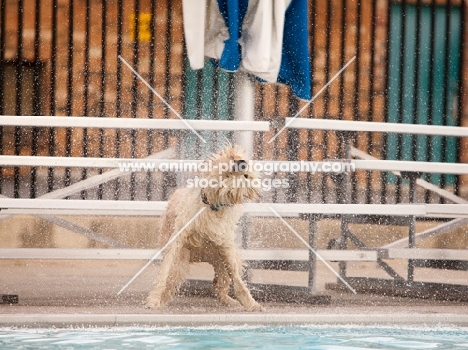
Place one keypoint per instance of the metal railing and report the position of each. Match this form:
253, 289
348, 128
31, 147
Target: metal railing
60, 58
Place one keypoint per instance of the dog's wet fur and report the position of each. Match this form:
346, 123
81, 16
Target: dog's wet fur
210, 237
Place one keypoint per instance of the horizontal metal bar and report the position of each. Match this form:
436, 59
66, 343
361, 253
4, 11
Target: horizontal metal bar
96, 180
5, 213
252, 208
82, 162
354, 152
131, 212
247, 254
337, 209
90, 205
401, 165
428, 254
78, 254
147, 254
401, 128
8, 205
285, 166
447, 210
275, 254
133, 123
348, 255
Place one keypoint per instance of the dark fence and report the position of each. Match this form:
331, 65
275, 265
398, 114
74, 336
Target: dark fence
61, 58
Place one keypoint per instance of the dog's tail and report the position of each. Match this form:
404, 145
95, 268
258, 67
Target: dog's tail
167, 222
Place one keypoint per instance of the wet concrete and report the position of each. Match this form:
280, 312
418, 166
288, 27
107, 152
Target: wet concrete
90, 288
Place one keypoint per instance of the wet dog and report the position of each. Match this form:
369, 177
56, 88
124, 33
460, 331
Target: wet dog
208, 236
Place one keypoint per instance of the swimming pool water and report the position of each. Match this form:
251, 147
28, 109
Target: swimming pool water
305, 337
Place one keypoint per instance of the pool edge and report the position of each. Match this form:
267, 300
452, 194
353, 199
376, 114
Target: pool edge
198, 320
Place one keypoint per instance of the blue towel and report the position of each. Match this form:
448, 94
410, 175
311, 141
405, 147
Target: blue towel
295, 58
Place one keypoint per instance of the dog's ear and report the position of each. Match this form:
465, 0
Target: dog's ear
225, 143
235, 152
239, 151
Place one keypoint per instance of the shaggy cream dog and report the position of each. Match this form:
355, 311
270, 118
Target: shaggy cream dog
210, 236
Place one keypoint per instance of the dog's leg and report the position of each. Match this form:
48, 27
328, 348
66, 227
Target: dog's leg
178, 273
233, 264
221, 284
163, 290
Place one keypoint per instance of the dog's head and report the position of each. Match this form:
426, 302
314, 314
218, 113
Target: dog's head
231, 178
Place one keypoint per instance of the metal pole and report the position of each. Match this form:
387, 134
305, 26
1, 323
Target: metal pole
245, 110
412, 177
312, 256
343, 183
412, 225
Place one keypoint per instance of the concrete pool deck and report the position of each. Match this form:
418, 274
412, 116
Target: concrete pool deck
206, 311
84, 293
206, 320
